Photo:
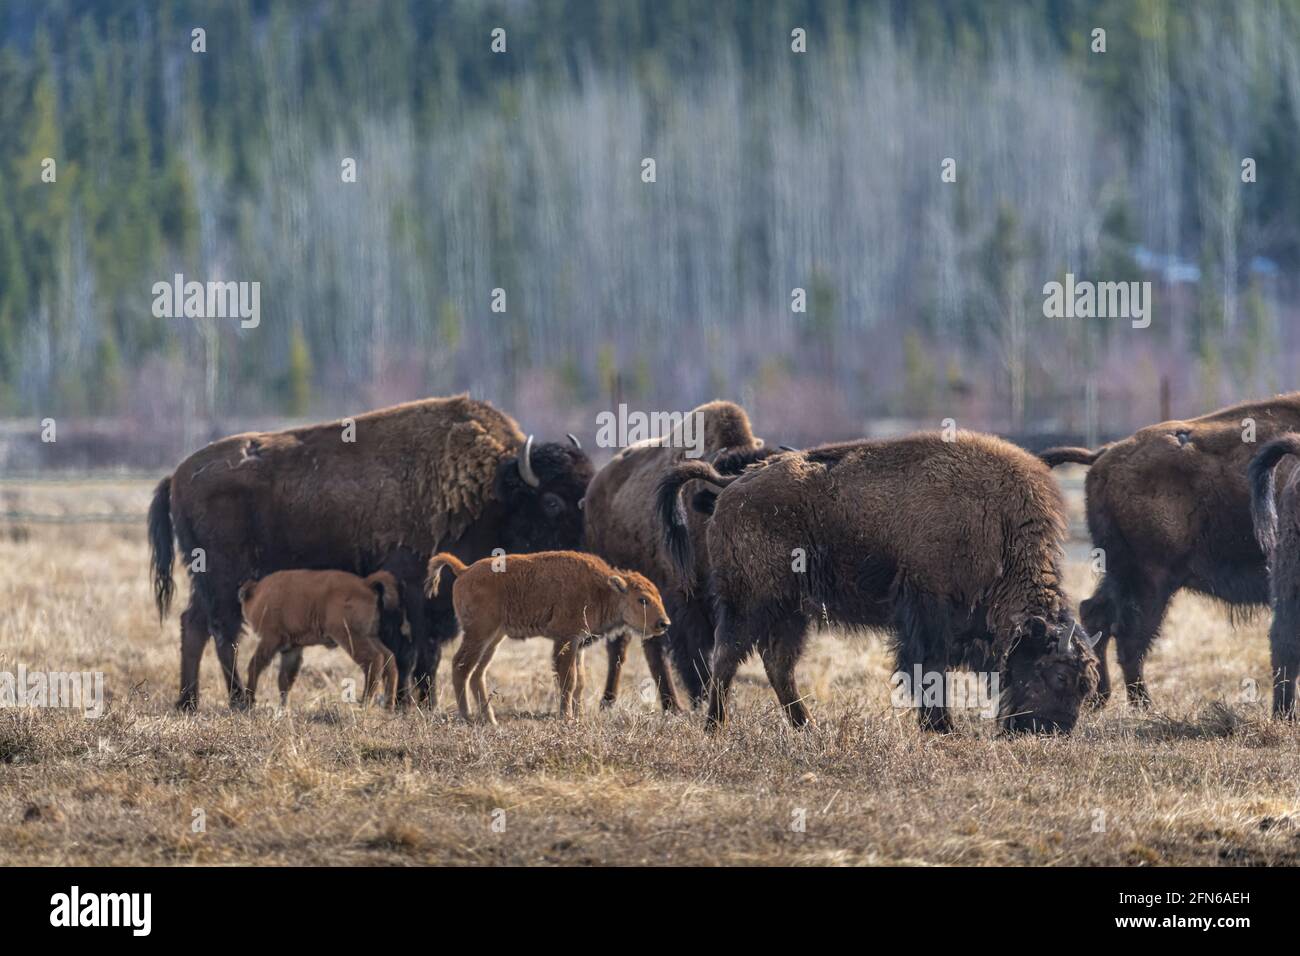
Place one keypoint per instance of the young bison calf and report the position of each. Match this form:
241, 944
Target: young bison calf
289, 610
569, 597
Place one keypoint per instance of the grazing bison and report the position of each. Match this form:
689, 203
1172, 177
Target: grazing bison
1280, 541
623, 527
953, 546
381, 492
571, 598
1169, 507
290, 610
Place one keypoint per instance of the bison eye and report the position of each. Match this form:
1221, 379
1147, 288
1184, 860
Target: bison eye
552, 504
644, 602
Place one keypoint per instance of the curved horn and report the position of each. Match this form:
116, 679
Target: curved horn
786, 448
576, 444
526, 464
1066, 637
1093, 638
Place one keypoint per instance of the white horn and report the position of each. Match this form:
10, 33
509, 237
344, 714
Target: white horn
1065, 638
526, 465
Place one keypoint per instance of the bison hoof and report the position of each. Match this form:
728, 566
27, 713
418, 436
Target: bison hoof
187, 704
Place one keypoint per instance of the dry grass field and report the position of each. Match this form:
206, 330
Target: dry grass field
1206, 779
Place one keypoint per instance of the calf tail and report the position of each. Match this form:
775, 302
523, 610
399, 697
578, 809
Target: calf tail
677, 537
161, 551
385, 585
442, 559
1263, 511
246, 590
1075, 456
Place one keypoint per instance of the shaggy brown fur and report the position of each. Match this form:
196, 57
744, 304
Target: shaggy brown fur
571, 598
415, 478
1279, 538
623, 528
288, 610
953, 546
1169, 507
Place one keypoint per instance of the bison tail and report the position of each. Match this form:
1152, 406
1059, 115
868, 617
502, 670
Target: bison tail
1263, 511
385, 585
1074, 456
162, 552
442, 559
677, 538
246, 590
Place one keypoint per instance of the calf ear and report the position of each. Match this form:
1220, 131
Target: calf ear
618, 584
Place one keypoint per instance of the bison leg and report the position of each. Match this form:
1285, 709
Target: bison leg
924, 636
1284, 641
690, 640
226, 628
616, 649
780, 653
194, 639
657, 660
478, 679
290, 664
733, 641
1139, 624
1096, 615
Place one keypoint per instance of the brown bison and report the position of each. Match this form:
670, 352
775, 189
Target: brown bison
290, 610
953, 546
1280, 541
571, 598
381, 492
1169, 507
623, 527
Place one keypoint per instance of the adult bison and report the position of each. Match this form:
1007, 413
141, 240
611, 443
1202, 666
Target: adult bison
1280, 542
382, 491
623, 527
953, 546
1169, 507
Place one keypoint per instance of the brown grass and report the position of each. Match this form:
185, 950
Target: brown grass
1208, 779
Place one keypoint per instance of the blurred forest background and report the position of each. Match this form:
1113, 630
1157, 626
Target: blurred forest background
522, 170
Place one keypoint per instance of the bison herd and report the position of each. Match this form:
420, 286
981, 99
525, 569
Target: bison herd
339, 533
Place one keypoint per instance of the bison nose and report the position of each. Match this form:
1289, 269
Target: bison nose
662, 624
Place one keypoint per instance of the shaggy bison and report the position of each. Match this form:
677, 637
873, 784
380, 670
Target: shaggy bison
569, 597
290, 610
381, 492
953, 546
1169, 507
1280, 541
623, 527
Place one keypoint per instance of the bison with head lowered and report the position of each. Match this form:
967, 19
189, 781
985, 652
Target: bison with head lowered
383, 491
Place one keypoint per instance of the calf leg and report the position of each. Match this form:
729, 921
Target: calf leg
565, 658
467, 655
194, 639
734, 640
290, 664
478, 679
266, 650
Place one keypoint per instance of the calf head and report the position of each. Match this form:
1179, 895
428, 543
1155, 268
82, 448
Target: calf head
1047, 672
540, 490
641, 607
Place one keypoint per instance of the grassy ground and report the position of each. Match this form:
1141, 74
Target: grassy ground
1207, 779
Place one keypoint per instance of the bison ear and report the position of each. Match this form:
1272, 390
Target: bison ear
618, 584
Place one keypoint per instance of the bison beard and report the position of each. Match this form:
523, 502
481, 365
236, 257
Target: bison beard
439, 474
953, 547
1169, 507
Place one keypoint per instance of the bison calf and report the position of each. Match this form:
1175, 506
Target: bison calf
289, 610
569, 597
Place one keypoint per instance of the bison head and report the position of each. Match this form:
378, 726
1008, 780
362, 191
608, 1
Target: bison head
1048, 671
539, 490
642, 608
